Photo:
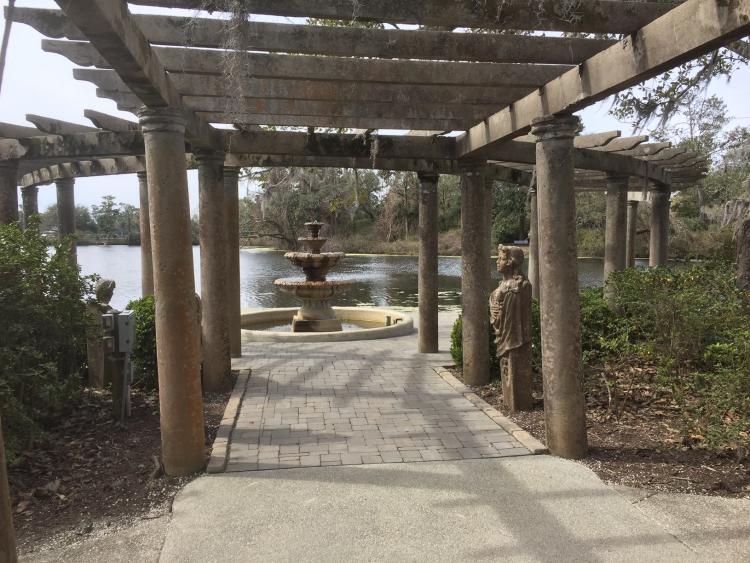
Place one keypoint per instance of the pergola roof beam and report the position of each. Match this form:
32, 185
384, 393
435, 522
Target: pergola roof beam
110, 122
338, 41
311, 67
13, 131
689, 30
51, 126
280, 88
600, 16
117, 39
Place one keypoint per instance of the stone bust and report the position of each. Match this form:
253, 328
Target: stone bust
97, 358
510, 316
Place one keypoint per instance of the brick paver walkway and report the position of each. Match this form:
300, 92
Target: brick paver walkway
355, 403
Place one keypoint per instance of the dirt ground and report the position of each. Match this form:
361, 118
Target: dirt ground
641, 446
90, 473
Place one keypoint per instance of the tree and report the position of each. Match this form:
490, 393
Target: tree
106, 215
84, 221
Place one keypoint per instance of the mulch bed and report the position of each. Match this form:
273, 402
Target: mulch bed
640, 445
90, 473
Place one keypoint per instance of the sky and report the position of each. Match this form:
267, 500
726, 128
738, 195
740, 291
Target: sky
42, 83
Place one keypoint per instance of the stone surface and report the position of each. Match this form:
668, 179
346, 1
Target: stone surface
510, 317
659, 241
66, 212
364, 402
534, 508
428, 263
615, 233
8, 192
232, 218
565, 411
632, 233
147, 260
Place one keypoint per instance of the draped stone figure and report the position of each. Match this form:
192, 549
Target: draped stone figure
95, 351
510, 316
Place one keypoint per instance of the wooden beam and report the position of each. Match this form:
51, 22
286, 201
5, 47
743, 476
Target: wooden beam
82, 145
212, 85
110, 122
115, 37
57, 126
586, 141
600, 16
338, 41
688, 31
310, 67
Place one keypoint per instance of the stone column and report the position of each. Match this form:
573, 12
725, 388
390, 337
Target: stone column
66, 212
632, 233
564, 406
177, 309
475, 275
659, 242
428, 262
7, 532
147, 260
215, 322
533, 244
615, 232
30, 203
232, 218
8, 192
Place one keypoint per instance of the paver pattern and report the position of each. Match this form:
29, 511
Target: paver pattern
321, 404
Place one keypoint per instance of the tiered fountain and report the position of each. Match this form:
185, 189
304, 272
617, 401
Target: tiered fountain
315, 292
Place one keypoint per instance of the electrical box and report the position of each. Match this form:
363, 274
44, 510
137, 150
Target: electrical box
125, 332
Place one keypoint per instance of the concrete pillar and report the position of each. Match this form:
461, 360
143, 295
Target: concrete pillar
66, 212
632, 233
475, 275
30, 203
7, 532
659, 242
8, 192
564, 406
177, 311
213, 234
615, 232
533, 244
428, 262
147, 260
232, 218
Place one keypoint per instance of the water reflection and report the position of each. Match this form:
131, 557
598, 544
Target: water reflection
377, 280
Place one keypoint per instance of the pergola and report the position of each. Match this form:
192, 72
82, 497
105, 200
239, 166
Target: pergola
493, 88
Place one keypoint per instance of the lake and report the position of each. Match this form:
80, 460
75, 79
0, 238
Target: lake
378, 280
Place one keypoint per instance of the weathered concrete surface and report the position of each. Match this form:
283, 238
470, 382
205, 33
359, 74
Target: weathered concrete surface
565, 410
632, 232
177, 328
533, 244
147, 260
8, 192
30, 203
66, 212
615, 233
659, 239
428, 263
524, 509
232, 218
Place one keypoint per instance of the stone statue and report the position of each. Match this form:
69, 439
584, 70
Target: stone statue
95, 350
510, 316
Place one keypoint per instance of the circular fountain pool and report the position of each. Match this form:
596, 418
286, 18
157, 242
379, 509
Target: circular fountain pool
358, 323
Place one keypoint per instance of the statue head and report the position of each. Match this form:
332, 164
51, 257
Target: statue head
103, 290
509, 259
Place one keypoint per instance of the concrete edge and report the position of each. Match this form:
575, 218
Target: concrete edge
526, 439
217, 462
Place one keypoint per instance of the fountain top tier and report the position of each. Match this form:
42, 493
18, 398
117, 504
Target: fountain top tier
314, 263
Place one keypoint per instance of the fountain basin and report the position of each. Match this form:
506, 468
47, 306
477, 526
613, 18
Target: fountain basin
384, 323
315, 266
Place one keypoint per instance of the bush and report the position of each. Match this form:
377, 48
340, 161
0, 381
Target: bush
693, 323
43, 333
144, 353
457, 348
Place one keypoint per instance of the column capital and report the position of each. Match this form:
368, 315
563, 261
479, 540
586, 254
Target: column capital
65, 182
9, 164
232, 172
633, 202
472, 167
208, 156
142, 175
428, 176
158, 120
555, 127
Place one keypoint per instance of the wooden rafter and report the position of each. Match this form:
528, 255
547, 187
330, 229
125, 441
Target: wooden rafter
600, 16
689, 30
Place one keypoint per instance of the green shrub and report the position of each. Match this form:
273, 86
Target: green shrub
603, 331
43, 333
144, 353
